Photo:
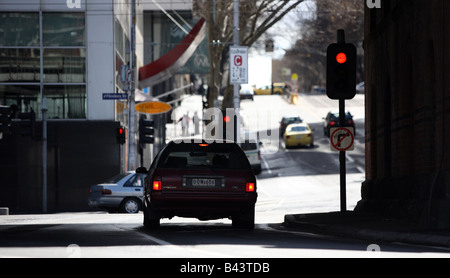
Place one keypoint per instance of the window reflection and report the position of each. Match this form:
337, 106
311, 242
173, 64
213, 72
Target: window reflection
63, 29
19, 65
19, 29
24, 98
64, 65
66, 101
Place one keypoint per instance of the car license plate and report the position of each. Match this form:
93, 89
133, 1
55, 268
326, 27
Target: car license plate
203, 182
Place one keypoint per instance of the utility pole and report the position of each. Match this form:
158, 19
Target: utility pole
236, 98
131, 87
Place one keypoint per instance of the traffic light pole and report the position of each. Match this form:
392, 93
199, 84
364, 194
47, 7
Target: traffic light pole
342, 161
131, 86
236, 97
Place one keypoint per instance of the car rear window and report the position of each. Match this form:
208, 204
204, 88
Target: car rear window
298, 128
117, 178
246, 146
215, 155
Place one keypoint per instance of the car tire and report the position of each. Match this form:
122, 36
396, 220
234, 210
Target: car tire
130, 205
149, 221
245, 219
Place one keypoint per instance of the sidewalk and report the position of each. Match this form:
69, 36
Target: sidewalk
366, 227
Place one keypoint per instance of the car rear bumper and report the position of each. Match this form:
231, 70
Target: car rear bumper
202, 206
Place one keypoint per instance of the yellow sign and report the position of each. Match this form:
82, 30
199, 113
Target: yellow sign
152, 107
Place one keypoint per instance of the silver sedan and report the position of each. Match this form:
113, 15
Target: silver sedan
121, 193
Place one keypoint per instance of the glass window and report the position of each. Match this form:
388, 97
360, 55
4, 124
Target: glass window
19, 29
66, 101
65, 65
19, 65
63, 29
24, 98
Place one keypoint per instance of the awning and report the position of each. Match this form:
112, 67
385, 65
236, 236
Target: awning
166, 66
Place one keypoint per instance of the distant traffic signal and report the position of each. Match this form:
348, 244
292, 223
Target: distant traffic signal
341, 71
146, 131
121, 137
5, 120
228, 124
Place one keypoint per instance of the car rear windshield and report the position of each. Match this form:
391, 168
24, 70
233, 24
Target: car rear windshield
298, 128
117, 178
248, 145
194, 155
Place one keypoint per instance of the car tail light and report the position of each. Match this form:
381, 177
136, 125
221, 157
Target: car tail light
332, 123
156, 185
350, 122
106, 191
250, 187
259, 155
309, 135
287, 136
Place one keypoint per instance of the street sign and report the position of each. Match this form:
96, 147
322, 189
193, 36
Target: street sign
238, 64
342, 138
114, 96
152, 107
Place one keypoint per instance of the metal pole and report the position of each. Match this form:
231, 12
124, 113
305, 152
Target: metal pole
236, 99
44, 154
44, 118
342, 162
132, 112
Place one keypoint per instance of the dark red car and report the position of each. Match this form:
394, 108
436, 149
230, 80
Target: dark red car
200, 179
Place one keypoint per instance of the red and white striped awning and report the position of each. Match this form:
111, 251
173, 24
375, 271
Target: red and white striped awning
166, 66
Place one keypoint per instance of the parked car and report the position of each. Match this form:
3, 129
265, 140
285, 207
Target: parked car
332, 120
200, 179
287, 120
246, 92
298, 135
122, 193
250, 146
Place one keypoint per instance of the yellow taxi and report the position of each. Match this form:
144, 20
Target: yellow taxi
298, 134
267, 90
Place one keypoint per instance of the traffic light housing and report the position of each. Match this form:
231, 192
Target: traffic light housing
146, 131
5, 120
341, 71
121, 135
28, 124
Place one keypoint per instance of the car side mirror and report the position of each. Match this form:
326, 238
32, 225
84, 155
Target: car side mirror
141, 170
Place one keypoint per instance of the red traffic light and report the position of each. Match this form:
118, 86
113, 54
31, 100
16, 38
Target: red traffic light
121, 131
341, 58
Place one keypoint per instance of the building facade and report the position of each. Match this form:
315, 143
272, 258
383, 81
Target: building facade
407, 54
66, 54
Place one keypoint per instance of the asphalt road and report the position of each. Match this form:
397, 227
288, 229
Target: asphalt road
300, 180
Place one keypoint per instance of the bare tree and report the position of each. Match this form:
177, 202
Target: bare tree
256, 17
308, 56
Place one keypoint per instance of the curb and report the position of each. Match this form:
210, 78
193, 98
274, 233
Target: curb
305, 222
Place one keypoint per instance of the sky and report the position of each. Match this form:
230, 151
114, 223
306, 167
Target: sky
284, 33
